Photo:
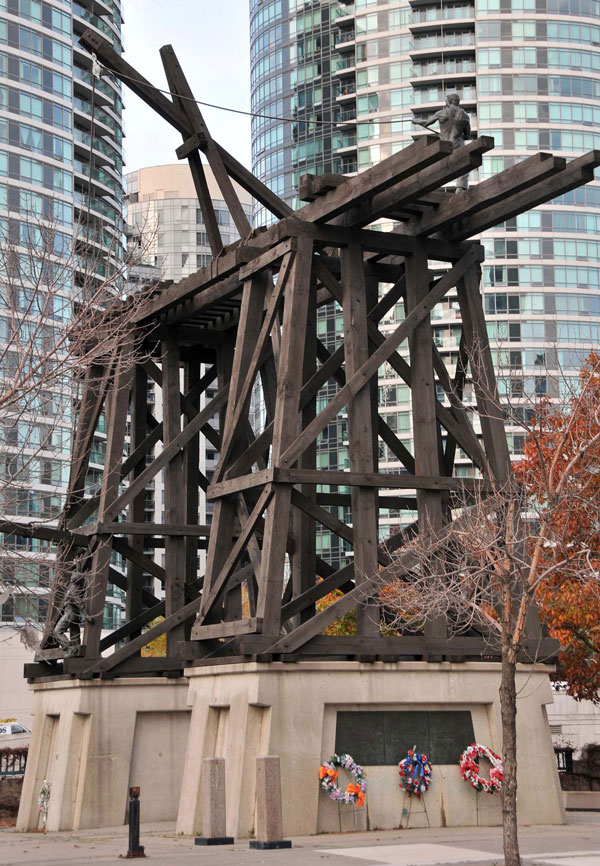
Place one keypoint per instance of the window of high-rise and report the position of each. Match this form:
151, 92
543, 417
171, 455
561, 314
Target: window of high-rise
61, 164
335, 87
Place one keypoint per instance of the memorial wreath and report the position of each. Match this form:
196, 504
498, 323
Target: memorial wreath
469, 768
355, 790
415, 773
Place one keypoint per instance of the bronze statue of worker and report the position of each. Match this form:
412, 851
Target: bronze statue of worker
455, 126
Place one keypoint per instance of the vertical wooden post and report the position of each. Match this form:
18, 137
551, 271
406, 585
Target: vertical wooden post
175, 511
90, 407
116, 423
425, 424
482, 373
138, 427
303, 558
233, 365
285, 429
360, 427
191, 471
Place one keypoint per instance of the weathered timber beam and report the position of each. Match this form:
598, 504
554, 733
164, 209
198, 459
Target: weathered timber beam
219, 269
329, 521
309, 391
463, 435
125, 652
168, 453
509, 182
455, 164
400, 481
135, 81
377, 358
576, 173
179, 85
145, 529
311, 186
43, 532
403, 164
249, 625
120, 580
392, 647
217, 586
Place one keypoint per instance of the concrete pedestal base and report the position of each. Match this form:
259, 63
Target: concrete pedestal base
94, 739
241, 711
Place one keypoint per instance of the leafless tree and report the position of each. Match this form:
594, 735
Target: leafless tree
63, 310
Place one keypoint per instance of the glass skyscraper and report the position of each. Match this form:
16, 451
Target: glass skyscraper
61, 163
337, 85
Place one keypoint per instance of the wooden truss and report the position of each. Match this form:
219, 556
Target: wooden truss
251, 317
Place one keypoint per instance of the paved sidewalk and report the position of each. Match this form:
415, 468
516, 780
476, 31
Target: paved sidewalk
575, 844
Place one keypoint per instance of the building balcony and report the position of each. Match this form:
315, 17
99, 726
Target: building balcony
346, 117
346, 92
85, 19
345, 40
435, 77
343, 66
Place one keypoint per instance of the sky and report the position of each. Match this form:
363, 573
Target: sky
211, 40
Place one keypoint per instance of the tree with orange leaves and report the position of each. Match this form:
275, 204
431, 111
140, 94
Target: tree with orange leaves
560, 470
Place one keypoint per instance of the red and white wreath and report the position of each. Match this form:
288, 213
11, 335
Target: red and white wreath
469, 768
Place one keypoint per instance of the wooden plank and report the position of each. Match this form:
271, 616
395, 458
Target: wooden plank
576, 173
249, 625
196, 169
136, 82
212, 591
192, 476
147, 529
240, 402
137, 434
424, 417
456, 163
400, 481
361, 433
364, 373
116, 421
303, 559
483, 375
178, 83
427, 150
487, 193
269, 259
168, 453
285, 428
43, 532
173, 488
127, 651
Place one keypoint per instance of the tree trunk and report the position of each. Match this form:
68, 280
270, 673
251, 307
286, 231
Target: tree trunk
508, 709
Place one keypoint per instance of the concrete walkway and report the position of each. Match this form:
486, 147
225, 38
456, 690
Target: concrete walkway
576, 844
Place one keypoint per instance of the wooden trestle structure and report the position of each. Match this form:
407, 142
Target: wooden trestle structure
250, 316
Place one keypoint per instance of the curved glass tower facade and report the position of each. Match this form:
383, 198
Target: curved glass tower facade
61, 163
349, 76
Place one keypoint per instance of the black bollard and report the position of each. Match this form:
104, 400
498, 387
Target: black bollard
135, 849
